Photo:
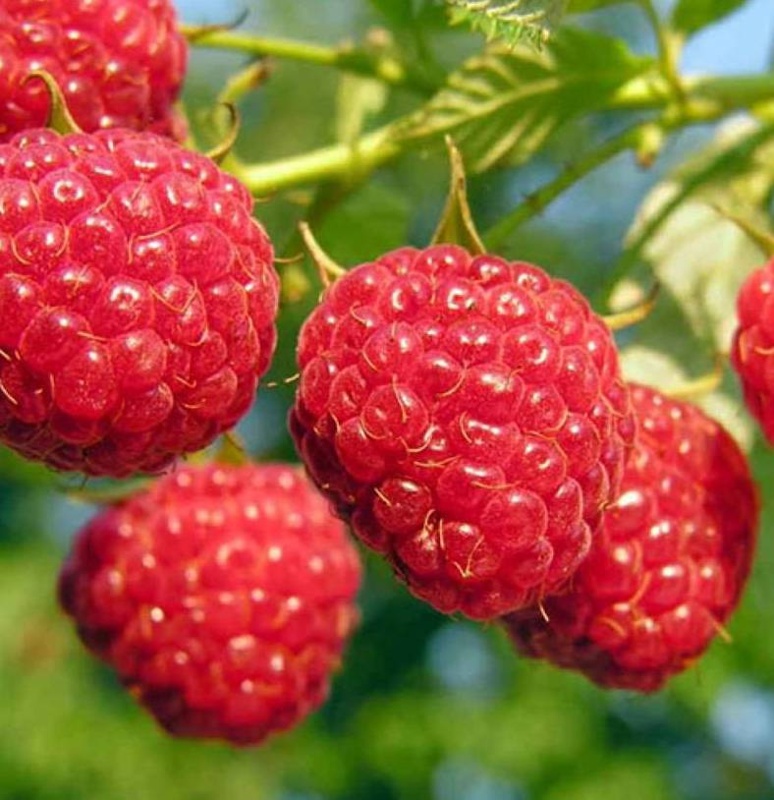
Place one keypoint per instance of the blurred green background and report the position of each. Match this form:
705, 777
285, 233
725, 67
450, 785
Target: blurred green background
425, 706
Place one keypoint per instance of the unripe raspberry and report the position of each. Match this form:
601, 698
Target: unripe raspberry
752, 352
222, 596
119, 63
137, 300
467, 416
669, 563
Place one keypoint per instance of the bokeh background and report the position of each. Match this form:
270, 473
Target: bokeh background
425, 706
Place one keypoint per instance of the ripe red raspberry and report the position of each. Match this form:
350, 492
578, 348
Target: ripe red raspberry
752, 352
221, 595
120, 63
137, 300
669, 563
467, 416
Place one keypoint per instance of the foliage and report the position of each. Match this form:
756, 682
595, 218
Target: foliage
511, 21
505, 105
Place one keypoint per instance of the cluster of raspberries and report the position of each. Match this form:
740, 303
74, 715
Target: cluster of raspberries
465, 415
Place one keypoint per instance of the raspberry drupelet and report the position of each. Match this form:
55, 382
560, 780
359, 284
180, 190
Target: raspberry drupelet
752, 352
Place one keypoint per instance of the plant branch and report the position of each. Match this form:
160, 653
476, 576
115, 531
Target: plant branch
669, 48
345, 162
536, 202
362, 61
707, 100
243, 82
717, 95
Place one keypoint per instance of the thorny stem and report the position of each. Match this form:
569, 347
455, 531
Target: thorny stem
362, 61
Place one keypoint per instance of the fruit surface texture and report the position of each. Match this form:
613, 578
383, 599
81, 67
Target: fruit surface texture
752, 353
670, 561
222, 596
467, 416
119, 63
138, 300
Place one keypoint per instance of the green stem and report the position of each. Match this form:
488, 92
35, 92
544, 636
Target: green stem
243, 82
733, 92
346, 162
361, 61
670, 46
718, 95
707, 100
223, 39
535, 203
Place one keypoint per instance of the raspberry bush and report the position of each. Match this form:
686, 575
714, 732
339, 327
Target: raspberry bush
237, 317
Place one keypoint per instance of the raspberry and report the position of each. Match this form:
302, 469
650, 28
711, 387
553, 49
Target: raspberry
120, 63
467, 416
753, 346
669, 563
137, 300
221, 595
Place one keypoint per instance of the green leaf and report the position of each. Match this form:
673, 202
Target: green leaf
584, 6
398, 12
752, 226
504, 105
510, 21
738, 164
690, 16
703, 259
693, 248
406, 14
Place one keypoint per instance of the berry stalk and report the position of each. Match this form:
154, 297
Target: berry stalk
372, 64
